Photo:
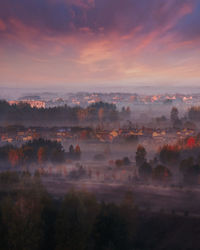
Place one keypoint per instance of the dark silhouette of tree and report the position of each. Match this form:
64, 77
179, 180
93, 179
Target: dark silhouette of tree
194, 113
161, 173
145, 171
126, 161
190, 171
140, 155
174, 115
71, 149
75, 221
111, 230
24, 114
22, 220
169, 154
176, 122
74, 153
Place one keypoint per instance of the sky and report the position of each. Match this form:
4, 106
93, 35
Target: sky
83, 44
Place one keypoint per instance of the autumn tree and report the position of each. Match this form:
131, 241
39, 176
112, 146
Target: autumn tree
13, 157
191, 142
78, 150
41, 155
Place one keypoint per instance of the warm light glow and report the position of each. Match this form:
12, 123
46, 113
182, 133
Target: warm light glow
96, 42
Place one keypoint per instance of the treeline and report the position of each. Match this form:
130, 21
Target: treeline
30, 219
38, 151
25, 114
152, 170
186, 122
183, 158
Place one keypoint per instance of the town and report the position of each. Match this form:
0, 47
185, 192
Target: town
99, 125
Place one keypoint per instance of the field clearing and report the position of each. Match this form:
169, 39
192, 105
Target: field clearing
147, 197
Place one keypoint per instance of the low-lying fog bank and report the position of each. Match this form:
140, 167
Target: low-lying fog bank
153, 198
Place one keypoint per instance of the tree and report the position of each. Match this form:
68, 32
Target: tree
169, 154
75, 221
41, 154
13, 157
191, 142
27, 154
161, 173
140, 155
174, 115
126, 161
177, 124
194, 113
189, 125
128, 211
78, 152
119, 163
101, 114
145, 170
189, 170
71, 149
186, 164
111, 230
22, 220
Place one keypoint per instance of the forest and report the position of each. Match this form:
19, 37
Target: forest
38, 151
31, 219
24, 114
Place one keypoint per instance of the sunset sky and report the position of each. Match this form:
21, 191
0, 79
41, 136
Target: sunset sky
83, 43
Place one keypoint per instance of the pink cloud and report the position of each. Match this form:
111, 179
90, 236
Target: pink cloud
2, 25
101, 45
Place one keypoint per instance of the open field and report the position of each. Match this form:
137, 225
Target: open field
147, 197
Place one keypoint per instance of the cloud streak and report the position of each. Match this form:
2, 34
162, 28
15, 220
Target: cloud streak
116, 40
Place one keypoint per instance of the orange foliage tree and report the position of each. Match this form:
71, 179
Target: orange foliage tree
41, 154
191, 142
13, 157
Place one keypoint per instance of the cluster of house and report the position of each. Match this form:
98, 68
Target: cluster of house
32, 103
18, 136
120, 99
94, 135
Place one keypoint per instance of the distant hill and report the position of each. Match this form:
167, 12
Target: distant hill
30, 97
